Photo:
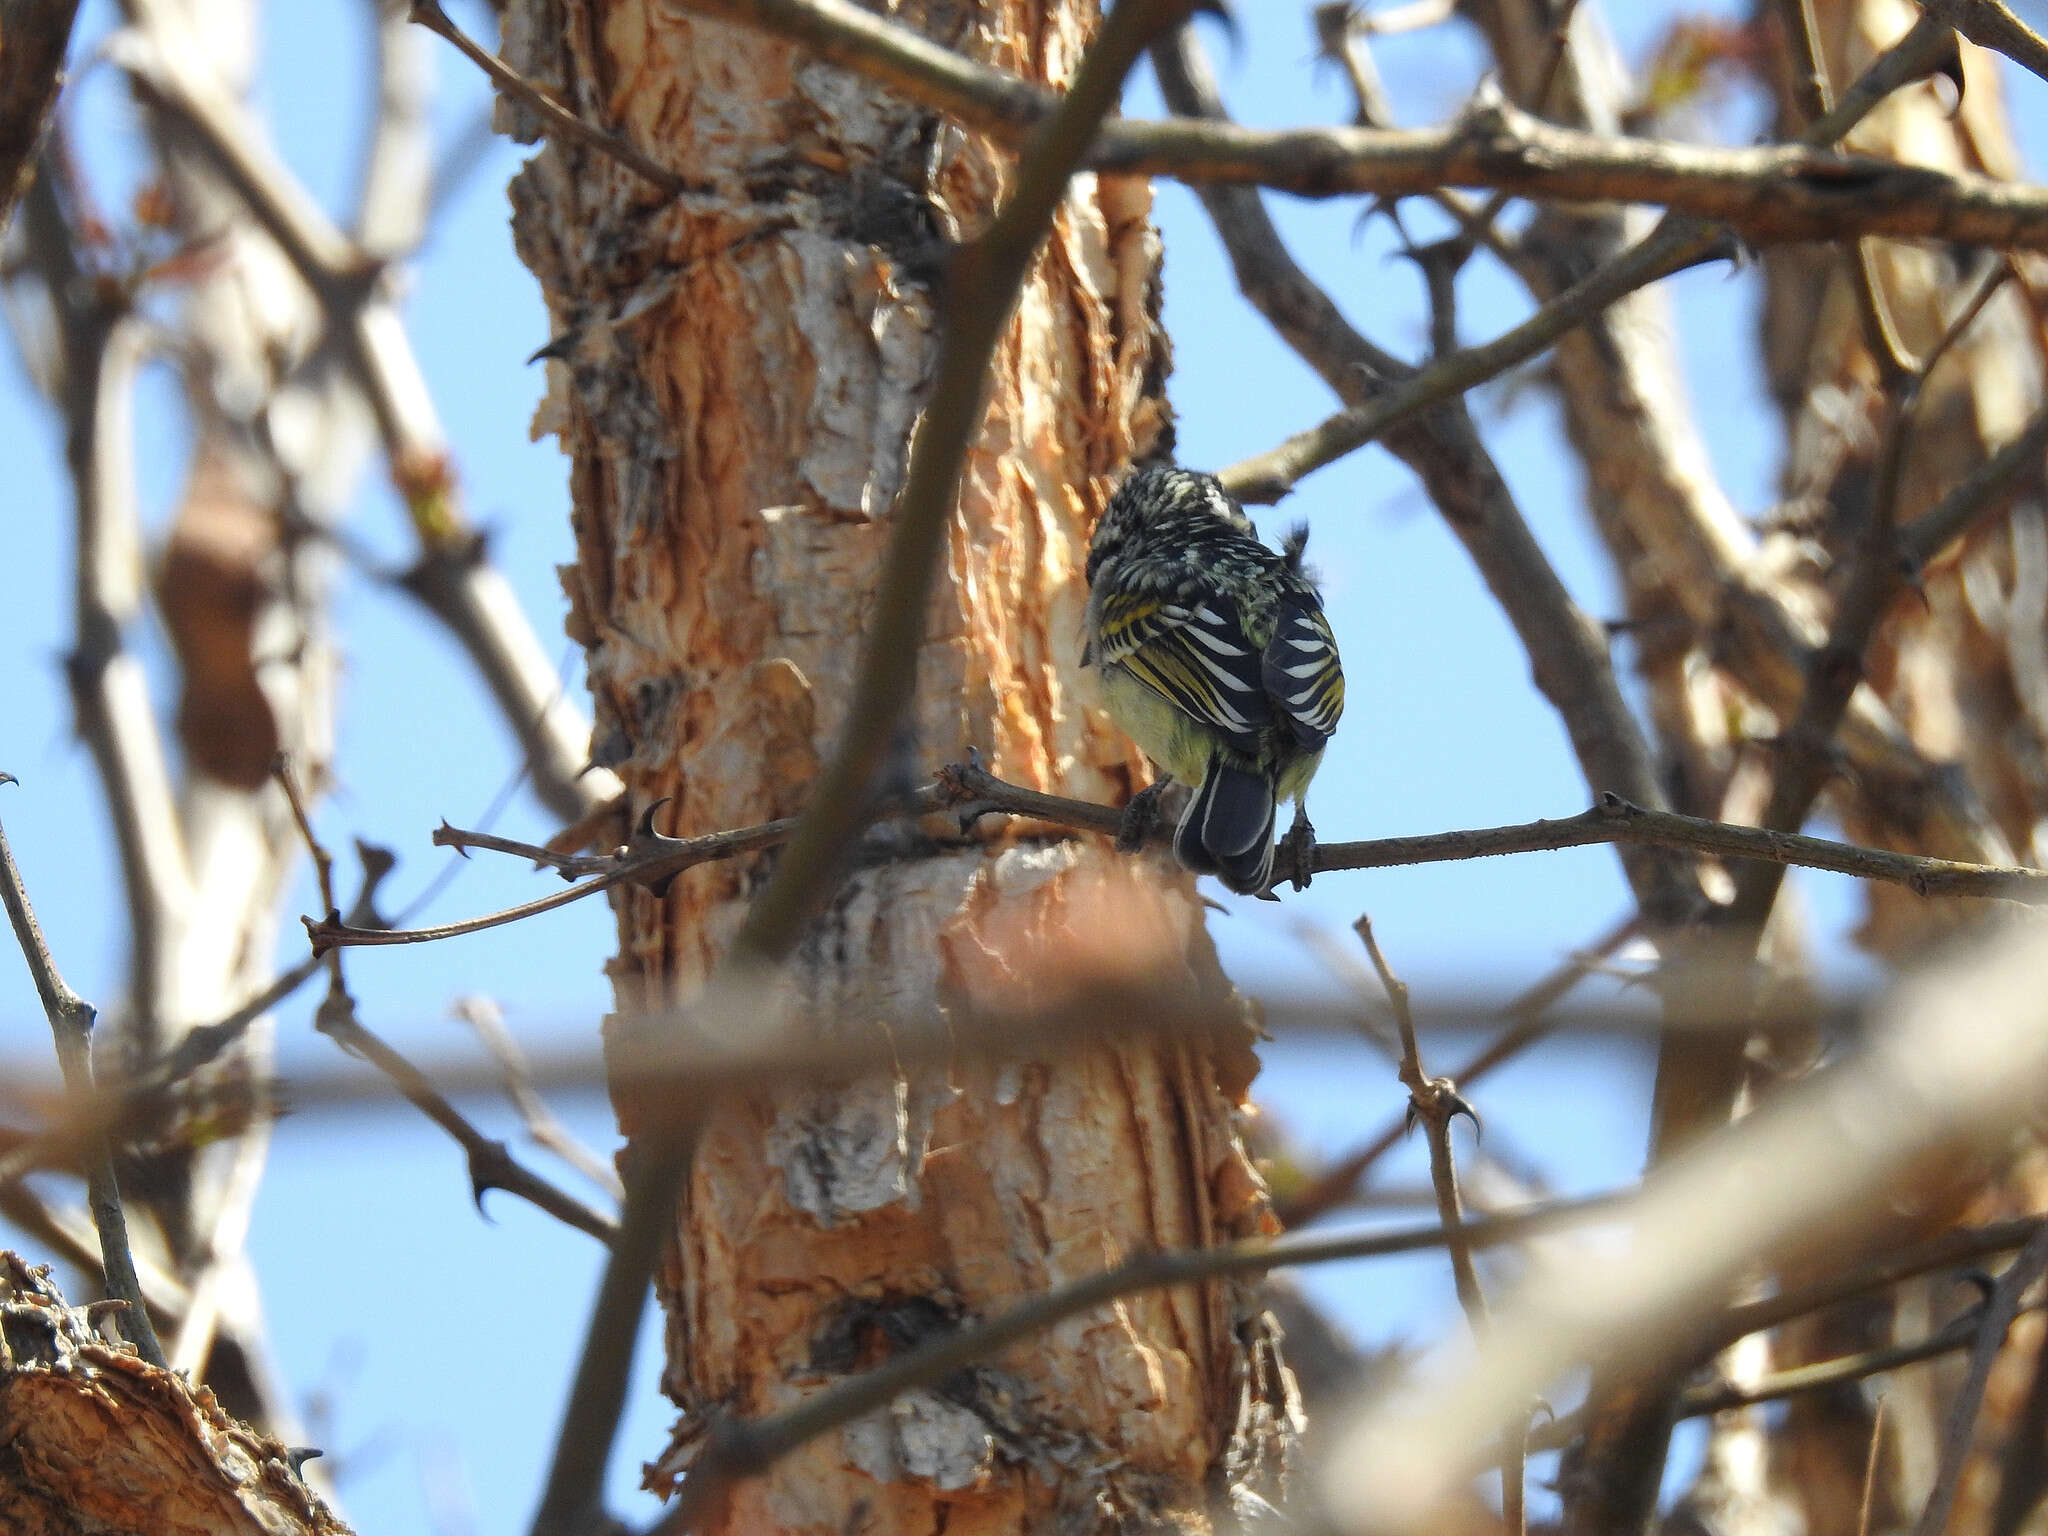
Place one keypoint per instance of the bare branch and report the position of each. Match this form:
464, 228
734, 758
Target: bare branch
1529, 1023
71, 1019
487, 1021
1992, 1320
1992, 24
558, 118
1436, 1103
491, 1163
1770, 193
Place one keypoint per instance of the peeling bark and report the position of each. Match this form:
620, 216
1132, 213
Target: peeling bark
95, 1442
740, 375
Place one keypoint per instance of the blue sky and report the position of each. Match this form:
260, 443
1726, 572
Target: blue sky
444, 1407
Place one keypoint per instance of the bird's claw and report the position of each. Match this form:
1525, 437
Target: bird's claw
1296, 860
1140, 817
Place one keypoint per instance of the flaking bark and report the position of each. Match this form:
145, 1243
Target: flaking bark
739, 377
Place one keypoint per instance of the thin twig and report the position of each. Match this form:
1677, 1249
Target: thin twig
323, 861
487, 1021
1868, 1502
1675, 245
491, 1163
1992, 1321
560, 119
71, 1019
1613, 821
1436, 1103
1334, 1184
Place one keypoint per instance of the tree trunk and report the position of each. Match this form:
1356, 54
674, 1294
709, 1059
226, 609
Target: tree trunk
741, 371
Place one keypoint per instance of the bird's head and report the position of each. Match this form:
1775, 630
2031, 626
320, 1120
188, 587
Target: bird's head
1162, 503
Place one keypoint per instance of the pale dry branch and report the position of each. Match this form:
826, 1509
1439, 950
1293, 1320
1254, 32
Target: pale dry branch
1955, 1059
452, 578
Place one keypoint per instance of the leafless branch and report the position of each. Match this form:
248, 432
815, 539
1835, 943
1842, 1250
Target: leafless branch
491, 1163
71, 1019
1435, 1102
1992, 1321
1612, 821
1529, 1023
452, 578
558, 118
1770, 193
487, 1021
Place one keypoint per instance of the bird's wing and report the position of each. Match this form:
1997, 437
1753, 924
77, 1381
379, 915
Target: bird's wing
1194, 654
1301, 673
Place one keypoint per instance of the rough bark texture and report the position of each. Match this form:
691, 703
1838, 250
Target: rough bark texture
94, 1442
741, 375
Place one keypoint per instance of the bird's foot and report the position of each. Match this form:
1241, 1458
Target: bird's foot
1296, 858
1141, 816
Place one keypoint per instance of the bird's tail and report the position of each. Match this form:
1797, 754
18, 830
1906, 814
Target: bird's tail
1227, 830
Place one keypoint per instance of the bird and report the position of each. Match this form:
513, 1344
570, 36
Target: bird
1215, 657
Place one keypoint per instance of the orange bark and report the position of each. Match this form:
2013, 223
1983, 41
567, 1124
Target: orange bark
741, 374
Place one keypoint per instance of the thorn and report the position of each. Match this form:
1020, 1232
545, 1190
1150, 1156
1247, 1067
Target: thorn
1460, 1105
646, 825
1985, 1286
296, 1456
8, 778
